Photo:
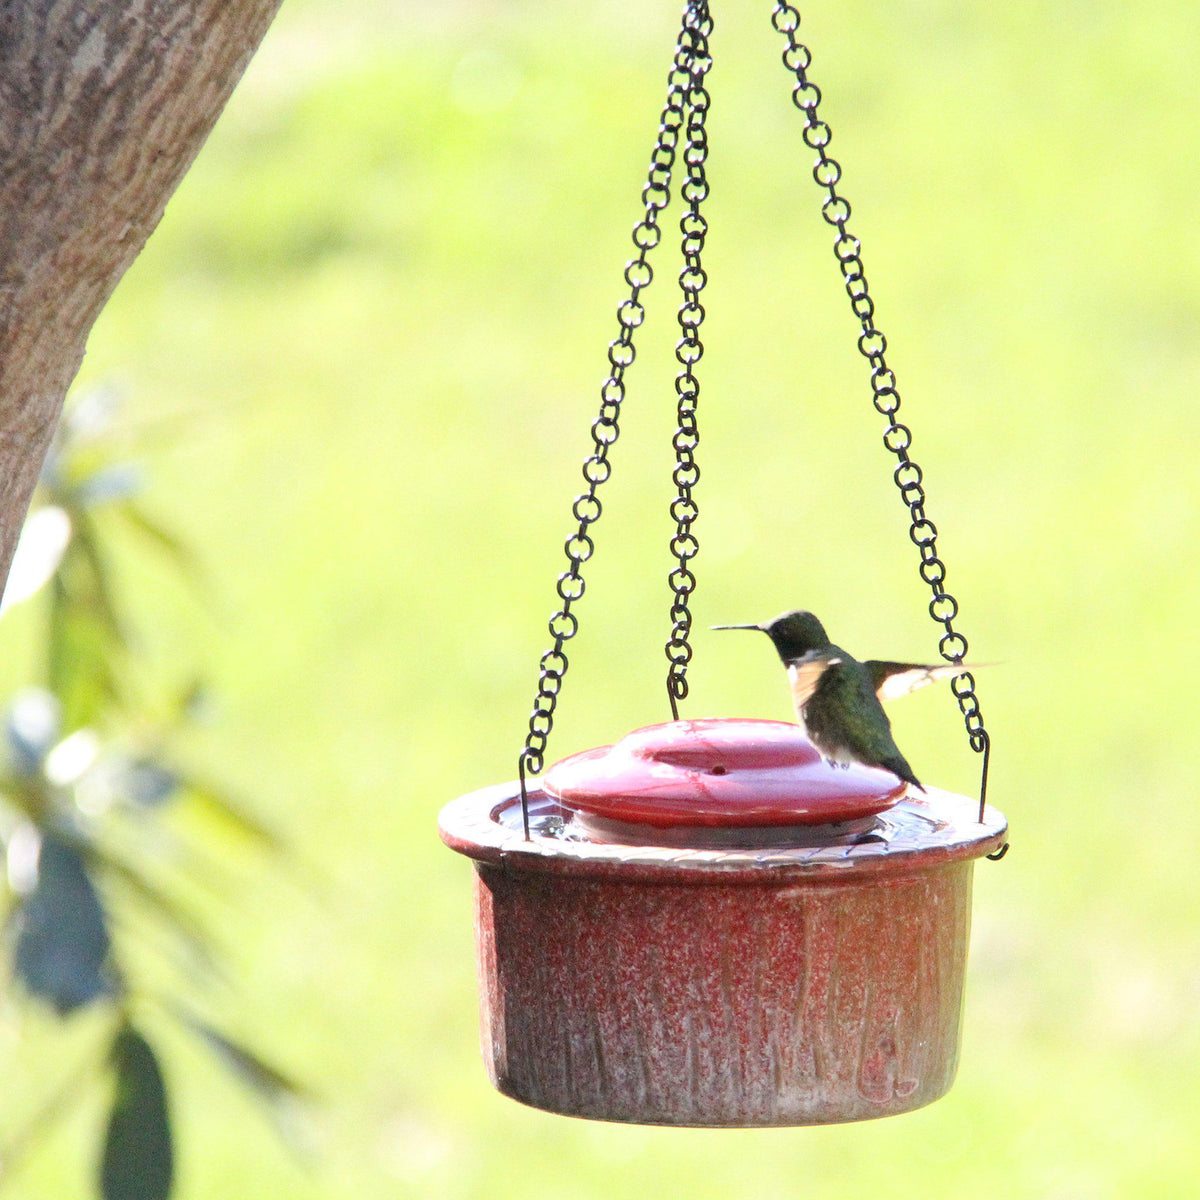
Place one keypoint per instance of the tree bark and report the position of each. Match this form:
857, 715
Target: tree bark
103, 106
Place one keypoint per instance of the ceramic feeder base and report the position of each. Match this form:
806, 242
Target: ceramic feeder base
796, 1003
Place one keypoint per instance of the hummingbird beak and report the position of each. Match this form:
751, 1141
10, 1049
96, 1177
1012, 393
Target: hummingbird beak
758, 627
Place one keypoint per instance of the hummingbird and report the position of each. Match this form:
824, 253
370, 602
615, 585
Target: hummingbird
838, 699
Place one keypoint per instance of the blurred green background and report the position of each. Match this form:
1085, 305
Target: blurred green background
370, 333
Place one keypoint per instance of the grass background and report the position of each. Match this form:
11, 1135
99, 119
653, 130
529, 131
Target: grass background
371, 331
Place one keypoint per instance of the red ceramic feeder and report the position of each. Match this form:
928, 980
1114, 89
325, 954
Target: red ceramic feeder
710, 925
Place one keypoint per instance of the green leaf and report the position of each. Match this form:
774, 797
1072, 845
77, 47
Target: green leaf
80, 659
99, 599
176, 916
284, 1098
230, 814
191, 702
138, 1159
58, 650
267, 1081
63, 943
166, 541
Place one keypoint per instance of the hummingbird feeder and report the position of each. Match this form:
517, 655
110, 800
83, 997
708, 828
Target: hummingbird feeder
708, 923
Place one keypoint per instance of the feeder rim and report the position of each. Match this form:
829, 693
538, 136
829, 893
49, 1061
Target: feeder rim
469, 825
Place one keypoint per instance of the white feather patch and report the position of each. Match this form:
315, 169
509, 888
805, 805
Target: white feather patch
804, 677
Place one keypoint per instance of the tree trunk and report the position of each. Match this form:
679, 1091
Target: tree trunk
103, 106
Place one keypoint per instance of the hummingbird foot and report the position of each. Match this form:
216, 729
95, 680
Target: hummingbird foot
864, 838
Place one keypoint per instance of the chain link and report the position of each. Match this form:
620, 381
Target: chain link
687, 95
897, 437
689, 350
579, 547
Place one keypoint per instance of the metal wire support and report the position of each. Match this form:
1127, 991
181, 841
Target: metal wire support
897, 437
689, 350
579, 547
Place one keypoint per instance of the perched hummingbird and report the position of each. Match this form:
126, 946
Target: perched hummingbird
837, 698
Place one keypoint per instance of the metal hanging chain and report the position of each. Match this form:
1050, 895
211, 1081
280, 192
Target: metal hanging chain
689, 350
897, 437
656, 194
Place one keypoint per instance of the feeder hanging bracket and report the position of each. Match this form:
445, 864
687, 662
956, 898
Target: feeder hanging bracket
686, 107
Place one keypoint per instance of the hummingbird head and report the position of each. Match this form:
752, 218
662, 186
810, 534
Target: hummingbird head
794, 634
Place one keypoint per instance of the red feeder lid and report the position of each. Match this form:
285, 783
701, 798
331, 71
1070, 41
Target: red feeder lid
719, 772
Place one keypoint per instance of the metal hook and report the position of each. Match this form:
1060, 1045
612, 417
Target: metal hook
524, 795
986, 749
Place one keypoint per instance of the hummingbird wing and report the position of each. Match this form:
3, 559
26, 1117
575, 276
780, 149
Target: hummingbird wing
894, 679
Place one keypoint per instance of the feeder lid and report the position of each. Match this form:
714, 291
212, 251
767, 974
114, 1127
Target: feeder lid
719, 772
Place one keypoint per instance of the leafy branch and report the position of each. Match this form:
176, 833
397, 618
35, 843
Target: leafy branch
86, 777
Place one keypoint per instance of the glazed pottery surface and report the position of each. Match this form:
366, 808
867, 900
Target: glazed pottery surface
782, 974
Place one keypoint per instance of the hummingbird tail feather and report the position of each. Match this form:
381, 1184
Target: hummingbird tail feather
899, 767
